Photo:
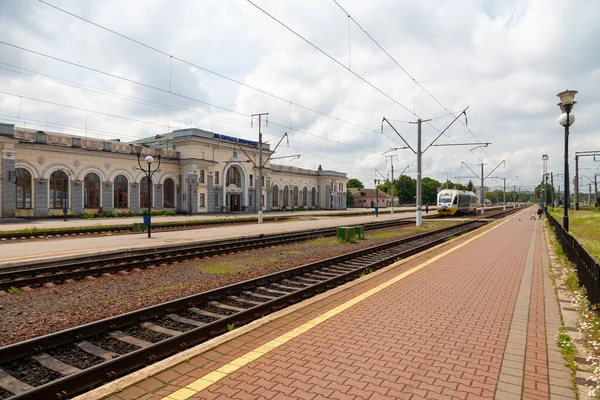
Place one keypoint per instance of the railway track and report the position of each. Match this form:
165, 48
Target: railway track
41, 272
69, 362
9, 237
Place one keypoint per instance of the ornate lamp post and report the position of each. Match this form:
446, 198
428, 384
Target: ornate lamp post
566, 119
148, 172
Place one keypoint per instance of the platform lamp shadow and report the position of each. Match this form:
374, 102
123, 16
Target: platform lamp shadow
149, 173
566, 119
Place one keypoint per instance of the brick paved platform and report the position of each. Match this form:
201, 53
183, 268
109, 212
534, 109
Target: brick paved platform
474, 318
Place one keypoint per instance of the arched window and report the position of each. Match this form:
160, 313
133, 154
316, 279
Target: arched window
169, 193
59, 190
275, 196
295, 196
313, 197
305, 197
23, 188
91, 191
145, 190
286, 196
233, 176
120, 191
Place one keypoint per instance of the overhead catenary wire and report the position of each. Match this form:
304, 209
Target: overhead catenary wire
165, 91
172, 57
402, 68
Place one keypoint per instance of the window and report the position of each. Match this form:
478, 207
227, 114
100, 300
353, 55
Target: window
145, 191
216, 200
59, 190
250, 199
275, 196
250, 183
263, 181
169, 193
262, 201
201, 177
341, 185
91, 191
313, 197
305, 197
202, 201
23, 188
233, 176
216, 178
121, 189
286, 196
295, 196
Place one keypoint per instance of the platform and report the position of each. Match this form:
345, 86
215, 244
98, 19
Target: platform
474, 318
16, 252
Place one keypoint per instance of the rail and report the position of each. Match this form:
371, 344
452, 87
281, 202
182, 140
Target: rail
588, 268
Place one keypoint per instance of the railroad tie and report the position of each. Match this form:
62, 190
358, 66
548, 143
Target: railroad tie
161, 329
95, 350
55, 365
184, 320
123, 337
13, 385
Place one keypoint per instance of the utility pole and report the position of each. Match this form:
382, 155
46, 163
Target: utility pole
391, 157
483, 178
552, 188
419, 153
576, 182
260, 164
596, 188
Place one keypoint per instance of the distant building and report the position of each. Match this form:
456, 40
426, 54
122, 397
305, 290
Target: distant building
200, 172
368, 198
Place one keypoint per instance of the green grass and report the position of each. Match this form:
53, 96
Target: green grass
584, 225
384, 235
234, 266
12, 290
567, 348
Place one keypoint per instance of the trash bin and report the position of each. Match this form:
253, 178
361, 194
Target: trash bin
359, 232
146, 219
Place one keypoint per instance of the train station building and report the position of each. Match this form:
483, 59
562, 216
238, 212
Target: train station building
44, 173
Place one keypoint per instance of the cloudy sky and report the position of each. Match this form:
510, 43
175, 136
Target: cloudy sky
213, 63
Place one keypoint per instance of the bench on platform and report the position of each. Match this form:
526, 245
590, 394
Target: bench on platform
27, 213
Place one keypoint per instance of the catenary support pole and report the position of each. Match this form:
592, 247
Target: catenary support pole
482, 193
576, 182
419, 155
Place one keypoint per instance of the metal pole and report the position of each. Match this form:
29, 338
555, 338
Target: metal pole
482, 193
392, 160
260, 166
376, 201
419, 155
552, 189
567, 192
149, 223
590, 194
596, 189
576, 182
504, 207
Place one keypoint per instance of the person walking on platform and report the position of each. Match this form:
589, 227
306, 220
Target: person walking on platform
426, 208
539, 213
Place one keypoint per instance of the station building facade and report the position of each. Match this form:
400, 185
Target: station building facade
200, 172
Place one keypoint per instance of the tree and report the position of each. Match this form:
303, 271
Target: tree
405, 189
459, 186
470, 186
349, 199
429, 190
355, 183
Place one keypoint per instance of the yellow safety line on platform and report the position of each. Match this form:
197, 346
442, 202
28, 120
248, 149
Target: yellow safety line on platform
207, 380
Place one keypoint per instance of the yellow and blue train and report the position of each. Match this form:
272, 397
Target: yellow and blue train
452, 201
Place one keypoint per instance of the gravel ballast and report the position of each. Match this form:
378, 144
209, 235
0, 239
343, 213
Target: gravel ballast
25, 315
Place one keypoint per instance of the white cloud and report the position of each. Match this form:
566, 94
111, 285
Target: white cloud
504, 59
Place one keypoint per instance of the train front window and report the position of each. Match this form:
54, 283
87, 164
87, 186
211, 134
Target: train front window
445, 198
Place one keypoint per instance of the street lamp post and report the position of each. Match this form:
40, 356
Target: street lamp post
148, 172
566, 119
376, 197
